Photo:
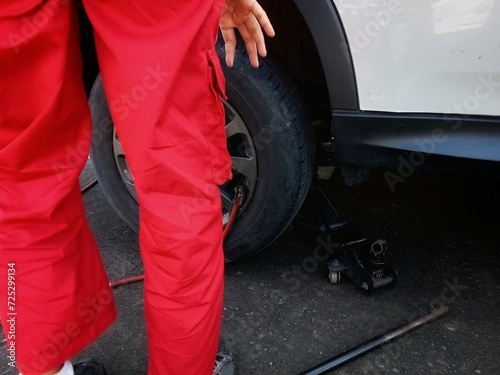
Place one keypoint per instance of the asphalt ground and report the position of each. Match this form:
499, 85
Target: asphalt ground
283, 318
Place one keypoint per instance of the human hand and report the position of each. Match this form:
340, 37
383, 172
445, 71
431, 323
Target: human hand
250, 19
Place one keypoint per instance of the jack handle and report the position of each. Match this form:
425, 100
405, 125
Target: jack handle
374, 343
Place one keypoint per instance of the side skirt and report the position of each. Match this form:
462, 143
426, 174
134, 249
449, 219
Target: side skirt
405, 142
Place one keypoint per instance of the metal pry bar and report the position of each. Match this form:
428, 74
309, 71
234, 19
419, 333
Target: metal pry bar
374, 343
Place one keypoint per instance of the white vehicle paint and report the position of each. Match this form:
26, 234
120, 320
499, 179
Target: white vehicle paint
436, 56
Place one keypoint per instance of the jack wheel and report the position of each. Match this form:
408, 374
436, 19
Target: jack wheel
334, 277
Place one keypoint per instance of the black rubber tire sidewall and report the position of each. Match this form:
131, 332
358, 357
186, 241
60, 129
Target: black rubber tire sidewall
268, 104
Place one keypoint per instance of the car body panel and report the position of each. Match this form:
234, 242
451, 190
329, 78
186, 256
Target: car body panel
440, 56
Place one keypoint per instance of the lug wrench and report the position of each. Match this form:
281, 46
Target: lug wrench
374, 343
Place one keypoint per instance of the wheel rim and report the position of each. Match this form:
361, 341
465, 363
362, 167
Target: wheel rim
243, 158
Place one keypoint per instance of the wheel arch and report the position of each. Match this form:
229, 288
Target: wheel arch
319, 27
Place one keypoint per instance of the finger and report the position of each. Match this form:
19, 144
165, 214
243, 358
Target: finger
254, 58
254, 39
229, 45
250, 44
252, 51
263, 19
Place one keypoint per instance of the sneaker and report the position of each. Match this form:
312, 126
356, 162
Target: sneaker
224, 364
89, 367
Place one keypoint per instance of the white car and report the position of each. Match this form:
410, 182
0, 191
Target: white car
399, 85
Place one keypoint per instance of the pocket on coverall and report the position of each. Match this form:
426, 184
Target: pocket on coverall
215, 122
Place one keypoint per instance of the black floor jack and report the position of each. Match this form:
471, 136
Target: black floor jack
351, 253
364, 263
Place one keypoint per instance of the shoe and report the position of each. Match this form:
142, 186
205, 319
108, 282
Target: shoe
89, 367
224, 364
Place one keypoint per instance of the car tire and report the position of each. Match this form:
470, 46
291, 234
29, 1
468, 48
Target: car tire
270, 140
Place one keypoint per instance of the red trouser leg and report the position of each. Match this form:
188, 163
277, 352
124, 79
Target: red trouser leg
62, 297
160, 75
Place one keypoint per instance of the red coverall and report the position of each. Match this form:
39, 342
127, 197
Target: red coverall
163, 83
